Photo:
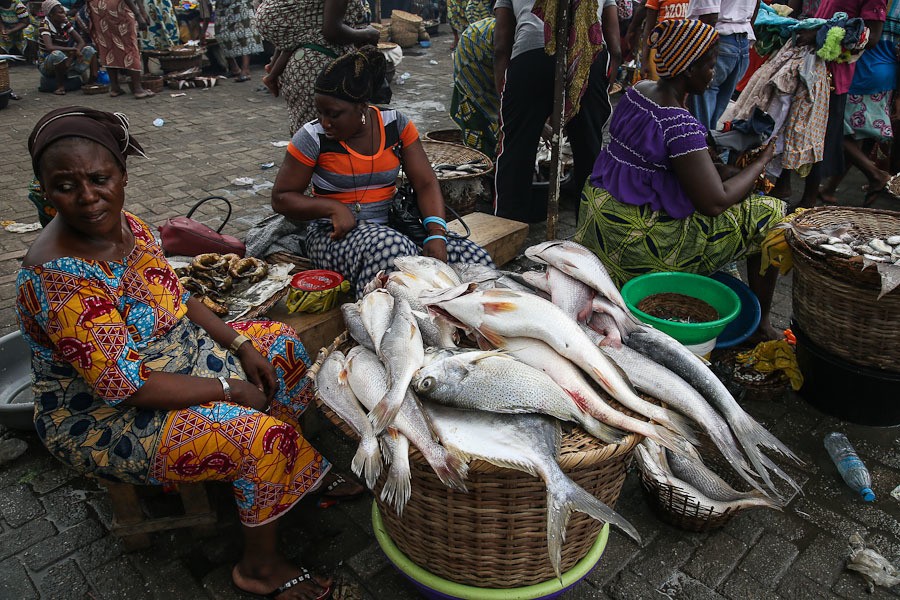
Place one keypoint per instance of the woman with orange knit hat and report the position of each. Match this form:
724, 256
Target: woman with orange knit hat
656, 201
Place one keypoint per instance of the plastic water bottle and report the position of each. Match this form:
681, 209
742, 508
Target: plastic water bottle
849, 465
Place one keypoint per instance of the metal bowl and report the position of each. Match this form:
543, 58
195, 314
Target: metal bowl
16, 397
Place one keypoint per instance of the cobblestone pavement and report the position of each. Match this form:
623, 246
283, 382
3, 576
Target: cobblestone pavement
54, 524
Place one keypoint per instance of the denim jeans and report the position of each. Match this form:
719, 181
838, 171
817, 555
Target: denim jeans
734, 58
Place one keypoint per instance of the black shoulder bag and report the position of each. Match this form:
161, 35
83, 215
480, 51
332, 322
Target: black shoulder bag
404, 214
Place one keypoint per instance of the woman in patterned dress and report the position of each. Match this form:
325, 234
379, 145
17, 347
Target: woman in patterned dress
135, 380
308, 35
237, 33
114, 29
656, 201
162, 26
352, 155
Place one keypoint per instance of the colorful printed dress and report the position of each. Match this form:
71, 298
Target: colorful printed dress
634, 214
98, 329
114, 31
162, 31
235, 28
12, 15
474, 105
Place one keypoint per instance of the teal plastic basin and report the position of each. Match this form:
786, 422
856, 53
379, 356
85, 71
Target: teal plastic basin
718, 295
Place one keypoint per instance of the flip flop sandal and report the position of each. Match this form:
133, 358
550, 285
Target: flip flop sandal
304, 576
328, 500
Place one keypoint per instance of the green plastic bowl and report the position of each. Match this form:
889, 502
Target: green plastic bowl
718, 295
437, 588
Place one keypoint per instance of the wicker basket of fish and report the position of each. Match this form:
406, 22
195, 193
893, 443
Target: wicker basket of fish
482, 481
846, 267
461, 173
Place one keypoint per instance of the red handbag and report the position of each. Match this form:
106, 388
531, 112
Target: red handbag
183, 236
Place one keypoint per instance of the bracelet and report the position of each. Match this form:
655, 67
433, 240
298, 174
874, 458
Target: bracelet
225, 388
434, 237
437, 220
236, 343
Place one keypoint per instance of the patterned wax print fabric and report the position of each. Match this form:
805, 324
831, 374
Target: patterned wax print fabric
474, 105
370, 247
633, 240
295, 26
162, 31
9, 16
114, 31
98, 329
636, 166
462, 13
235, 28
45, 210
867, 116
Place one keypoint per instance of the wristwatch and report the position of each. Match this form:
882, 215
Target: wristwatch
237, 342
226, 388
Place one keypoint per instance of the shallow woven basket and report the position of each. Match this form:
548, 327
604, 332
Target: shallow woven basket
461, 192
495, 536
95, 88
181, 61
835, 301
454, 136
4, 75
154, 83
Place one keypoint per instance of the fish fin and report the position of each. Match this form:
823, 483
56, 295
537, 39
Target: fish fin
671, 440
497, 340
483, 342
728, 448
367, 461
452, 470
495, 308
397, 489
750, 434
384, 413
603, 432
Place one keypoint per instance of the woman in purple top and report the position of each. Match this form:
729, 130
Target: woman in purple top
656, 201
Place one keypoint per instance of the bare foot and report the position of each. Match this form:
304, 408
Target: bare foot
265, 578
766, 332
115, 92
271, 84
140, 95
60, 91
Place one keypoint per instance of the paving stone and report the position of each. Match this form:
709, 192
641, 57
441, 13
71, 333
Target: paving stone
64, 507
18, 505
628, 585
852, 586
798, 587
823, 560
785, 525
671, 549
740, 585
769, 559
217, 585
119, 579
683, 587
63, 581
99, 552
13, 541
368, 562
166, 580
62, 544
14, 581
387, 584
52, 479
826, 519
744, 528
620, 550
715, 559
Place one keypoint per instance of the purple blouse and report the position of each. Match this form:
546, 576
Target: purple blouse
635, 168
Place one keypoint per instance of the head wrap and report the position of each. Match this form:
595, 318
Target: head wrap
680, 42
110, 130
352, 76
49, 5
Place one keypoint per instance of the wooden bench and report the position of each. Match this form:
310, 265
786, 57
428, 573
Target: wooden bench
502, 238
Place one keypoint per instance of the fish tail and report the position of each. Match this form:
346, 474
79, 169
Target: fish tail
748, 433
677, 423
671, 440
727, 446
606, 433
367, 461
383, 413
397, 487
450, 468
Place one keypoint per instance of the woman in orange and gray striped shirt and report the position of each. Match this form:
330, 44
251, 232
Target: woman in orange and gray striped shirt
352, 155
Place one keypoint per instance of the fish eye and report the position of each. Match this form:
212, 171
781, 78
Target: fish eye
427, 383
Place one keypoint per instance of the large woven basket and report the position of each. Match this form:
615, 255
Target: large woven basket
835, 301
495, 536
405, 28
460, 192
454, 136
180, 61
4, 76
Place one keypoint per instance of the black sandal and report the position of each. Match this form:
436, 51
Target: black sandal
304, 575
327, 493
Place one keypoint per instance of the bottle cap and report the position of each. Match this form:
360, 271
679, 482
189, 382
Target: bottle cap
867, 494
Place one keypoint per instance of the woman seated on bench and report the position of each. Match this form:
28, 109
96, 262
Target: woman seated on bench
352, 155
135, 380
656, 201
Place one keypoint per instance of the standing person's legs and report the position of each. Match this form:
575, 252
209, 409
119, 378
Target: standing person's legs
740, 54
525, 104
585, 130
833, 155
733, 55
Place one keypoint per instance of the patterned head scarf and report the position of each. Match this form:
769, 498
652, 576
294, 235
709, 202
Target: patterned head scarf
110, 130
48, 5
353, 77
680, 42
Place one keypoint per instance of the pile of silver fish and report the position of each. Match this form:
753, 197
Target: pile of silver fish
841, 240
468, 362
473, 167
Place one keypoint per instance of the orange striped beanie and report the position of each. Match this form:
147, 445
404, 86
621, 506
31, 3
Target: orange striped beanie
678, 43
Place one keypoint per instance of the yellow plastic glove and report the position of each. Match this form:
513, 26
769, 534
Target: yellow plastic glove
777, 355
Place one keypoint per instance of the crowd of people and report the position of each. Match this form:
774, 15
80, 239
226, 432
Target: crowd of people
137, 381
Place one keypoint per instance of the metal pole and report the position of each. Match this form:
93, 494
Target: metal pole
556, 118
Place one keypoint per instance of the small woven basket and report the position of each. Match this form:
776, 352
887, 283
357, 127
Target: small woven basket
835, 302
4, 75
93, 89
180, 61
405, 28
460, 192
495, 536
154, 83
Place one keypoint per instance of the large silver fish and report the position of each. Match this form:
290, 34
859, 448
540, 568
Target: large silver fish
571, 295
368, 379
487, 277
498, 383
501, 314
355, 326
437, 273
668, 352
397, 484
402, 352
435, 331
528, 443
652, 463
577, 261
334, 390
539, 355
375, 309
706, 481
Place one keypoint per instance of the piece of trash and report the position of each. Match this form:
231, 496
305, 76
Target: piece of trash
158, 122
281, 144
432, 62
264, 185
254, 100
178, 95
896, 493
873, 567
243, 181
13, 227
404, 77
267, 165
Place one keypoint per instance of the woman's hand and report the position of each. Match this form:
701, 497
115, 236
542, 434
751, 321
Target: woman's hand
260, 371
436, 249
247, 394
342, 220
